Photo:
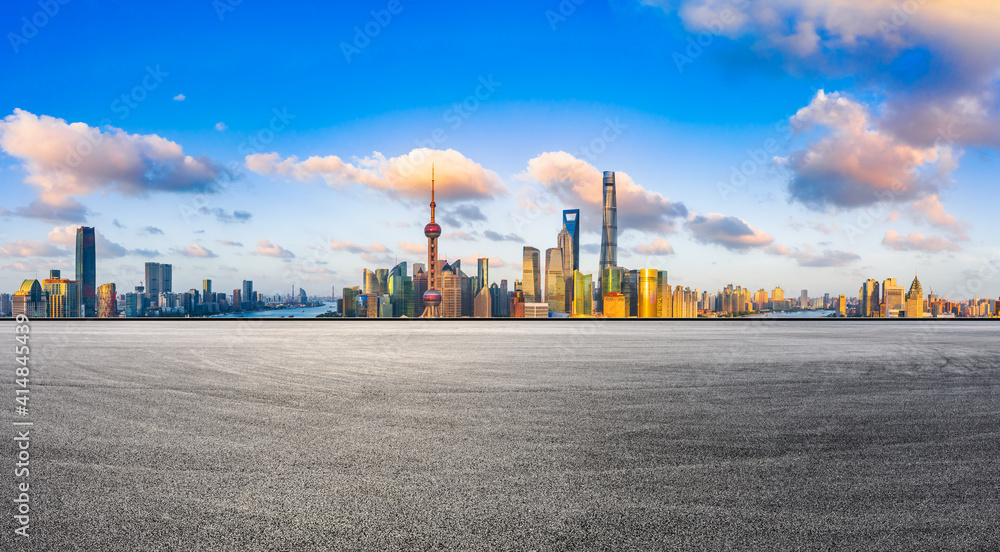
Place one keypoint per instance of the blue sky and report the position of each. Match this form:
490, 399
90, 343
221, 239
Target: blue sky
886, 173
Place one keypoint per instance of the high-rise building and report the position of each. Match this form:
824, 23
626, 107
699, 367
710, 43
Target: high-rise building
609, 282
6, 305
484, 304
451, 290
565, 244
870, 298
237, 300
86, 269
893, 298
664, 299
483, 276
107, 301
646, 301
536, 310
630, 289
504, 300
609, 231
583, 298
760, 300
777, 294
555, 282
432, 298
159, 279
350, 299
915, 300
571, 223
206, 290
382, 281
532, 279
401, 291
614, 305
842, 306
64, 298
247, 295
30, 300
804, 299
517, 304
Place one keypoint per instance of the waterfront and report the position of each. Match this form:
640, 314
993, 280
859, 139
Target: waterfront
558, 436
308, 312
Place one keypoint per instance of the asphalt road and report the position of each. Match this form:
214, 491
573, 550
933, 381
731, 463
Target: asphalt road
570, 435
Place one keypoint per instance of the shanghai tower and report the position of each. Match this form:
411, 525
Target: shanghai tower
609, 233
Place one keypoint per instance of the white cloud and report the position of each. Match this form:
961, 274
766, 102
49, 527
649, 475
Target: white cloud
918, 242
220, 126
65, 161
733, 233
268, 249
180, 98
405, 177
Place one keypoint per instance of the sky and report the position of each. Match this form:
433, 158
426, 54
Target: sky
806, 144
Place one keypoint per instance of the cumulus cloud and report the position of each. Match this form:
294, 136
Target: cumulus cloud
221, 126
857, 163
413, 248
577, 183
29, 248
65, 161
180, 98
930, 210
230, 243
461, 214
918, 242
195, 250
268, 249
405, 177
808, 258
733, 233
659, 246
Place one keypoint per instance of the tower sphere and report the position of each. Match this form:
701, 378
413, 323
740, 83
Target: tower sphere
432, 230
432, 297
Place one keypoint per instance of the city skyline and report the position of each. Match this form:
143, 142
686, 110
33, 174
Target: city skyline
722, 170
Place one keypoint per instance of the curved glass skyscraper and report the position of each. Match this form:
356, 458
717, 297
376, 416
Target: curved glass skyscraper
609, 231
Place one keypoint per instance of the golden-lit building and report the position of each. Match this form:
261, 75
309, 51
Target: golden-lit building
555, 281
614, 305
777, 294
63, 297
842, 306
664, 299
483, 307
30, 300
915, 300
893, 298
583, 294
107, 301
648, 280
451, 289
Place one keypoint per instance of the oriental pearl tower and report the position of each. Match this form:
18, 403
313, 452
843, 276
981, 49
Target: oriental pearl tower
432, 297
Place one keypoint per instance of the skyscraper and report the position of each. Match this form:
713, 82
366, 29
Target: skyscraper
206, 291
565, 243
483, 276
484, 304
432, 297
647, 293
893, 298
64, 297
86, 269
107, 301
609, 230
247, 295
571, 223
532, 279
583, 300
915, 300
31, 300
555, 282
